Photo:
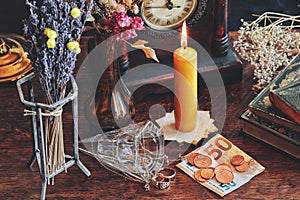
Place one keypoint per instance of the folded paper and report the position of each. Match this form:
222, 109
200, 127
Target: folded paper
204, 126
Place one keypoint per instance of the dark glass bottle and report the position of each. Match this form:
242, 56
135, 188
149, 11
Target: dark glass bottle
114, 104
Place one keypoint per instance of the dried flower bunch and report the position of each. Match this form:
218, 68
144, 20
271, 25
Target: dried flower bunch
111, 6
121, 23
115, 16
120, 17
269, 43
54, 27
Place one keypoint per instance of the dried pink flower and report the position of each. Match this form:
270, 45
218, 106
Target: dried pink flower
137, 23
123, 20
121, 23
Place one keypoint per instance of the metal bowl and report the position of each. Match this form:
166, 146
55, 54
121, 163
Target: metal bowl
13, 59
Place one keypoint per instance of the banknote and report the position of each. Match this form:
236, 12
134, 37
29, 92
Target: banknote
222, 152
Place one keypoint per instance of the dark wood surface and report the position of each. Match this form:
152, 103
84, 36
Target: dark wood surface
280, 180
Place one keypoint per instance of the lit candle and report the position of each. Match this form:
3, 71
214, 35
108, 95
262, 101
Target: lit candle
185, 85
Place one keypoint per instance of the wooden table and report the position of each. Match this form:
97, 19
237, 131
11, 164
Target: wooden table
280, 180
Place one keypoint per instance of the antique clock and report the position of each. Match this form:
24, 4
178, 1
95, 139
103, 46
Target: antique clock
167, 15
207, 25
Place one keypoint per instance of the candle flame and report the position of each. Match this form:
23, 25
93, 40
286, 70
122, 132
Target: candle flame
183, 41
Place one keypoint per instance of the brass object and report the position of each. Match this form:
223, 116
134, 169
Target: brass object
13, 59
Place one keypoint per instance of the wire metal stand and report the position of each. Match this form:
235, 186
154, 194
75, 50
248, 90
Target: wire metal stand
39, 151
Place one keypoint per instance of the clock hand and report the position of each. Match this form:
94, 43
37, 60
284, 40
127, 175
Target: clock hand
170, 5
148, 7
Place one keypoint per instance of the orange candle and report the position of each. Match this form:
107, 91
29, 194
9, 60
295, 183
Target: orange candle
185, 85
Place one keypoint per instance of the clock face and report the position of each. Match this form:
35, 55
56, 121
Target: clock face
167, 14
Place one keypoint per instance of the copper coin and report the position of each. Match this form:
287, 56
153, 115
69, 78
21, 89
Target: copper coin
207, 173
224, 176
202, 161
191, 158
198, 176
243, 167
222, 167
237, 160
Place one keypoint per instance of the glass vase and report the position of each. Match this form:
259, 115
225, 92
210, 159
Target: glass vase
135, 151
114, 103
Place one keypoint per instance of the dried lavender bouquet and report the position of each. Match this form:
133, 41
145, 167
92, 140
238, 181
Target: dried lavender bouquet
54, 28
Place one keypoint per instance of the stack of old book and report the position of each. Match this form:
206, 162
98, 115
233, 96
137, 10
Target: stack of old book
273, 116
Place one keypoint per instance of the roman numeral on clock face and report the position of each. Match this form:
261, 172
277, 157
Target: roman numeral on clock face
149, 16
186, 9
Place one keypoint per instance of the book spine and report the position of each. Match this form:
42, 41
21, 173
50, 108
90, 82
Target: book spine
271, 139
285, 108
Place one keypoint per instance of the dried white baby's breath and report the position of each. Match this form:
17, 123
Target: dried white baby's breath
269, 43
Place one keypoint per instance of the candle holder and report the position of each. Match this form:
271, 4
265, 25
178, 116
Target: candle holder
37, 112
